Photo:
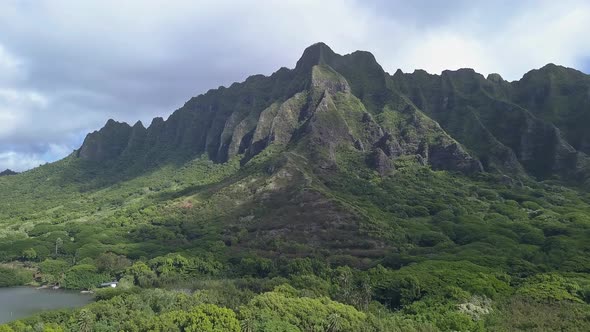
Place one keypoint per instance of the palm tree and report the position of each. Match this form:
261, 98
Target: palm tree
58, 243
247, 325
85, 320
334, 323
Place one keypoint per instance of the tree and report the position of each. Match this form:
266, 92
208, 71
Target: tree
111, 263
83, 276
204, 317
14, 276
29, 254
53, 270
307, 314
334, 323
142, 274
85, 320
58, 244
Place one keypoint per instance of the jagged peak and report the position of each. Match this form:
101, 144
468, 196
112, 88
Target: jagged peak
460, 71
551, 66
364, 55
138, 125
115, 124
422, 72
495, 77
157, 121
553, 69
8, 172
316, 54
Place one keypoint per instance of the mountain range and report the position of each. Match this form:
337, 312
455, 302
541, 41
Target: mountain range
456, 121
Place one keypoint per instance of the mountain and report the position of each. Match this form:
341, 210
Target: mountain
297, 146
423, 202
502, 122
458, 121
7, 172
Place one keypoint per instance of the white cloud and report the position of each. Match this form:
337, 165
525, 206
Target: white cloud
19, 161
22, 161
10, 66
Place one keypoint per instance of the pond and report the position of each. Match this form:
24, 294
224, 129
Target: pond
19, 302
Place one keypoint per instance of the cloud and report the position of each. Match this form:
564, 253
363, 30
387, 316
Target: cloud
68, 66
18, 161
22, 161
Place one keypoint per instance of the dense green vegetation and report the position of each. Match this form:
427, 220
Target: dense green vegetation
341, 208
441, 252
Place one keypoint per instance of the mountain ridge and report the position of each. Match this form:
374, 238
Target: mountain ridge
229, 121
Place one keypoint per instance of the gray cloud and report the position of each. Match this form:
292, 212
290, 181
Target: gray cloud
68, 66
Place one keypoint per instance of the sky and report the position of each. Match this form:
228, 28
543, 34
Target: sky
66, 67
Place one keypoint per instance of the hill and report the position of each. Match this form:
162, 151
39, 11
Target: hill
445, 201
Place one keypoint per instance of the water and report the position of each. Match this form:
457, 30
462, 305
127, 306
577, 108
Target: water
19, 302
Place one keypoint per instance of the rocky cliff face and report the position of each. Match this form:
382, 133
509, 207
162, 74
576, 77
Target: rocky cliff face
330, 104
490, 119
560, 96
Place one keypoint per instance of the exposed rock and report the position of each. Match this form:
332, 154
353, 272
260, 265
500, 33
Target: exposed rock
358, 144
496, 78
107, 143
286, 120
380, 162
452, 157
389, 145
242, 136
324, 78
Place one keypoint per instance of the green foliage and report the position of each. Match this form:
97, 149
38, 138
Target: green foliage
84, 277
204, 317
306, 314
523, 314
452, 280
142, 274
14, 276
29, 254
52, 270
550, 287
111, 263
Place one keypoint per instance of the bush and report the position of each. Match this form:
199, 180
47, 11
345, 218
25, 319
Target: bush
14, 276
84, 277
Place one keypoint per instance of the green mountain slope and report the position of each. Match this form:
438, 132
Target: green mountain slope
341, 180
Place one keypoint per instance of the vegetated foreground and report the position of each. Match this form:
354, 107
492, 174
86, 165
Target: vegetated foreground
329, 197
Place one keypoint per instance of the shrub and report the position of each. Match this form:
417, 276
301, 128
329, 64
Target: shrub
10, 276
84, 277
